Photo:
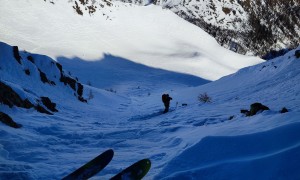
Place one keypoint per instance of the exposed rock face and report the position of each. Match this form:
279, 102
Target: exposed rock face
6, 119
16, 54
73, 83
28, 80
49, 104
9, 97
244, 26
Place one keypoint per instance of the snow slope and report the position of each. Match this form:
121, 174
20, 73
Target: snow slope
247, 27
251, 156
132, 62
192, 141
262, 147
148, 35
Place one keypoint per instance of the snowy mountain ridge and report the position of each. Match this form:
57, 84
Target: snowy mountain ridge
247, 27
158, 39
244, 26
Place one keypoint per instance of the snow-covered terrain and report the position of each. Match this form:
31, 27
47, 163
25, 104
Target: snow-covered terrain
244, 26
147, 35
193, 141
125, 64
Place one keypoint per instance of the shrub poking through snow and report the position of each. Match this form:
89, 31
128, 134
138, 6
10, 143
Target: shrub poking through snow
111, 90
204, 98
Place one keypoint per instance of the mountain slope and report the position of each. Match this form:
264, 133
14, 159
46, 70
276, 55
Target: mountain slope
263, 146
51, 146
138, 62
144, 34
252, 27
245, 26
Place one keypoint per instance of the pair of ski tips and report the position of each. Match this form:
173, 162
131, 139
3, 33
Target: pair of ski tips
134, 172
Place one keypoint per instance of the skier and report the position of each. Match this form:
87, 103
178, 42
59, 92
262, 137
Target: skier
166, 100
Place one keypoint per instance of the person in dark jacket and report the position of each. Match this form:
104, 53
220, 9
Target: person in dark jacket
166, 100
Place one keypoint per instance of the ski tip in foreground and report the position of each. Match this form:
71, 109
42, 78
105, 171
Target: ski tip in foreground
134, 172
92, 167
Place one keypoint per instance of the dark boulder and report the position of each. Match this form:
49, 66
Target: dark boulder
297, 53
6, 119
256, 108
246, 112
284, 110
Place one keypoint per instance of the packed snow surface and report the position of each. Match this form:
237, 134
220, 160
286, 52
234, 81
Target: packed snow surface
125, 71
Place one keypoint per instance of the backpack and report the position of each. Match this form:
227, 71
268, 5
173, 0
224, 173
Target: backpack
164, 97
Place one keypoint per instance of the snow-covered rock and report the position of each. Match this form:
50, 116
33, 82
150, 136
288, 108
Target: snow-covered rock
28, 80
